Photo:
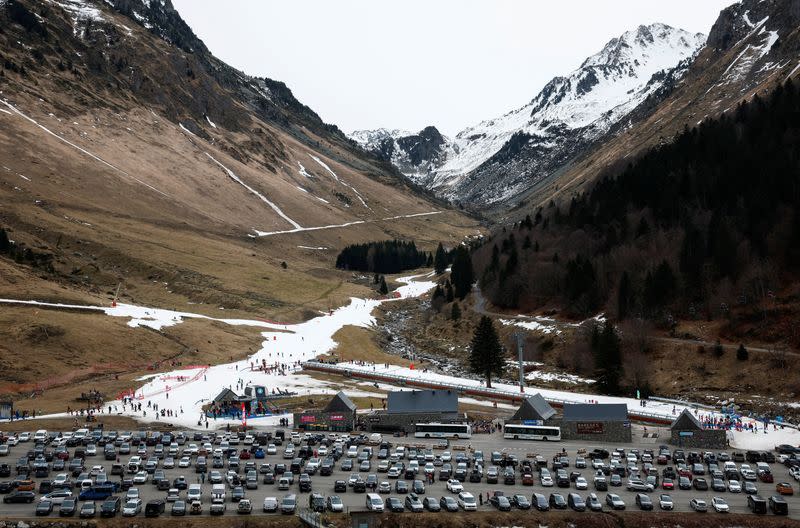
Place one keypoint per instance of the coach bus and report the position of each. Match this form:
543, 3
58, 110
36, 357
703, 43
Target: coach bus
531, 432
440, 430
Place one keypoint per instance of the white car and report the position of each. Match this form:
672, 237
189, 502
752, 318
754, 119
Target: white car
169, 463
466, 501
249, 439
312, 464
58, 496
698, 505
140, 477
581, 484
60, 480
270, 504
352, 452
132, 493
447, 456
734, 486
91, 450
132, 508
12, 441
184, 462
24, 437
322, 451
547, 481
454, 486
719, 505
665, 502
271, 449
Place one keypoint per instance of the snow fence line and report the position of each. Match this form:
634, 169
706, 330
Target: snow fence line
493, 393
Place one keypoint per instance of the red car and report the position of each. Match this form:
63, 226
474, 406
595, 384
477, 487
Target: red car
766, 476
668, 484
244, 455
661, 460
527, 479
784, 488
683, 472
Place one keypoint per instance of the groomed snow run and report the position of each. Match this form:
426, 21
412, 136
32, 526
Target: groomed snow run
188, 389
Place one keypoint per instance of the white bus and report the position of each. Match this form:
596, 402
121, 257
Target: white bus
440, 430
531, 432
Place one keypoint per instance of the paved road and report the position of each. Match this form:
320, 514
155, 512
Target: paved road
487, 443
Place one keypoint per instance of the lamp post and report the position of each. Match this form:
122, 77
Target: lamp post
520, 339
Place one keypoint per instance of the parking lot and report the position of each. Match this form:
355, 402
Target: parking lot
223, 452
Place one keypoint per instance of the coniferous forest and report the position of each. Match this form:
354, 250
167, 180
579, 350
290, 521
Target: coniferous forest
694, 227
390, 256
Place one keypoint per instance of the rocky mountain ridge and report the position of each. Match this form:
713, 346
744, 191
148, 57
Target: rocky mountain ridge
491, 162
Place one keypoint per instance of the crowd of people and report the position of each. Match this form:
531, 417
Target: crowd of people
735, 423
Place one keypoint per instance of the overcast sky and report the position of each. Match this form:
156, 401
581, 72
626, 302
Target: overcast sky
363, 64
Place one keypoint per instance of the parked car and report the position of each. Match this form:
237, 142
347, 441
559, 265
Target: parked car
698, 505
644, 502
719, 505
614, 501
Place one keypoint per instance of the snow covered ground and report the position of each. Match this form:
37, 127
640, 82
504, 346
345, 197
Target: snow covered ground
742, 440
346, 224
186, 390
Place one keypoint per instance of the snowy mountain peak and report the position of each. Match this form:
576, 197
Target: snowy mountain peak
654, 44
495, 159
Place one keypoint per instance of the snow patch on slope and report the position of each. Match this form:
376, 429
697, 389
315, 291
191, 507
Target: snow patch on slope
255, 193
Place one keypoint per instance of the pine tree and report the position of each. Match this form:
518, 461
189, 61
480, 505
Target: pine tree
448, 292
455, 312
384, 289
742, 354
461, 273
440, 260
438, 293
608, 358
494, 264
623, 296
486, 357
5, 244
643, 228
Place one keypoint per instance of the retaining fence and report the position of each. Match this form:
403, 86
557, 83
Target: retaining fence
469, 390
